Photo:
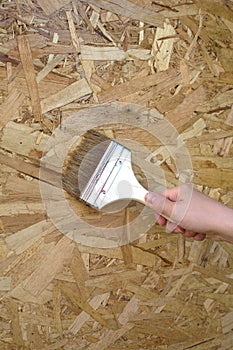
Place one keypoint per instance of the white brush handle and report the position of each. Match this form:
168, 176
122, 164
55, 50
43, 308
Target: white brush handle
121, 185
126, 186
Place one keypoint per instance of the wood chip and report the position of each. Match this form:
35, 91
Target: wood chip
49, 67
135, 85
162, 46
28, 67
10, 107
129, 10
227, 322
71, 93
52, 264
229, 119
73, 33
16, 328
84, 317
5, 284
49, 8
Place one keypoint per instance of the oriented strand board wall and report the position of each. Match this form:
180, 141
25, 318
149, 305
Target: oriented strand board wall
58, 58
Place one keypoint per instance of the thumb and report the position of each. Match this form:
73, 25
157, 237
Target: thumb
160, 204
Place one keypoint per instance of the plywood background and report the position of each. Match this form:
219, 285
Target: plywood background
58, 58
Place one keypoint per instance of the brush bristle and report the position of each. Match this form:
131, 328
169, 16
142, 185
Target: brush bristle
82, 161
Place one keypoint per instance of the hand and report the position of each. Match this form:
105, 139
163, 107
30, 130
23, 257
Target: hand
192, 213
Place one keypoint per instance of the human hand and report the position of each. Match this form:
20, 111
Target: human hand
192, 213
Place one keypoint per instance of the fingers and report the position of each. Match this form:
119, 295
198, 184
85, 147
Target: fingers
172, 227
199, 236
160, 219
189, 233
179, 193
171, 193
160, 204
195, 235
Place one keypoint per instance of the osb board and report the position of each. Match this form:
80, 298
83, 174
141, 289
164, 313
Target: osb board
59, 58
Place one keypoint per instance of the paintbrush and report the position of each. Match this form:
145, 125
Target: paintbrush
98, 170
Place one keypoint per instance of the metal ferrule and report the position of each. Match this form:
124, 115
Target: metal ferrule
113, 179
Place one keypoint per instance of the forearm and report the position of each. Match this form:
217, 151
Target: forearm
223, 223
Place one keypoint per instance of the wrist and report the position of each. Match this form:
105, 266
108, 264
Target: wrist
223, 223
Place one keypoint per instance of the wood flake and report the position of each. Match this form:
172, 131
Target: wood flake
229, 119
26, 59
52, 264
49, 8
16, 328
49, 67
216, 6
22, 240
57, 309
69, 94
79, 272
73, 33
80, 320
129, 10
5, 284
162, 46
9, 109
77, 300
227, 322
135, 85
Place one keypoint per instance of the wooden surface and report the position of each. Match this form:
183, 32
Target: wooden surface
145, 61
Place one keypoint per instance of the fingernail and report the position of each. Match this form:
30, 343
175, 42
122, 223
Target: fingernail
149, 197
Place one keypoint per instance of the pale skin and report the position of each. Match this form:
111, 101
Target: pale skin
192, 213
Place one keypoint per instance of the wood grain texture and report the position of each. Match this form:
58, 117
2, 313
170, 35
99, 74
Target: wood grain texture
30, 76
163, 71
